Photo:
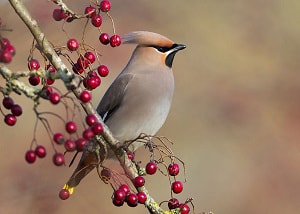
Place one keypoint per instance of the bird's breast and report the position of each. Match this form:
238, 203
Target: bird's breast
145, 105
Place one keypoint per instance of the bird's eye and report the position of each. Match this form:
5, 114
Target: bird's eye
162, 49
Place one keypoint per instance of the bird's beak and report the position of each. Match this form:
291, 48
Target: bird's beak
178, 47
171, 53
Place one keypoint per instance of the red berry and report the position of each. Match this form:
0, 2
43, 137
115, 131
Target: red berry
51, 69
142, 197
70, 145
93, 82
11, 49
151, 168
177, 187
115, 41
80, 144
82, 62
33, 64
184, 208
10, 119
97, 20
132, 200
72, 44
88, 134
105, 6
49, 81
173, 169
64, 194
77, 69
90, 10
119, 195
103, 70
97, 128
7, 102
130, 155
40, 151
125, 188
59, 138
58, 159
46, 91
58, 14
97, 80
85, 96
30, 156
5, 56
90, 119
63, 14
34, 80
104, 38
118, 203
92, 74
54, 98
90, 56
71, 127
139, 181
173, 203
16, 110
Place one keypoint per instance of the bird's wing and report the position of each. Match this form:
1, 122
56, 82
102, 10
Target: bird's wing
113, 96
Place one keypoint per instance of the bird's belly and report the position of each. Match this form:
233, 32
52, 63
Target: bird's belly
127, 124
144, 108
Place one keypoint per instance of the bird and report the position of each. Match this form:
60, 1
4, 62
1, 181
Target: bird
139, 99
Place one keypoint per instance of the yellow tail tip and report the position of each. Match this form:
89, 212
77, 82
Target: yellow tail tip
70, 189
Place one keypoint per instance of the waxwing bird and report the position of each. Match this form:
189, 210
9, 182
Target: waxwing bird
139, 99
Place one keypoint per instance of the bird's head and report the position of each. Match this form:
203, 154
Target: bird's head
153, 46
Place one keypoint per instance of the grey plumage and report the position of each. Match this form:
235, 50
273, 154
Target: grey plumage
139, 100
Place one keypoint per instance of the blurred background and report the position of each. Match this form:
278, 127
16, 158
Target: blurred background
235, 117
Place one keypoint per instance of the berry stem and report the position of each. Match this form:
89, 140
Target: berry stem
113, 23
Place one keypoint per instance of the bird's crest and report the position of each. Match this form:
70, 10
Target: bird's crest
146, 38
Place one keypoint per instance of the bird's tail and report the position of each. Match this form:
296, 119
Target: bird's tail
89, 160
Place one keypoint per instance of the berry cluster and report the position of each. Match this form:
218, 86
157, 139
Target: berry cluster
92, 12
71, 143
77, 144
84, 67
123, 194
86, 56
30, 155
48, 93
34, 79
176, 186
7, 51
96, 19
92, 78
54, 97
15, 110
